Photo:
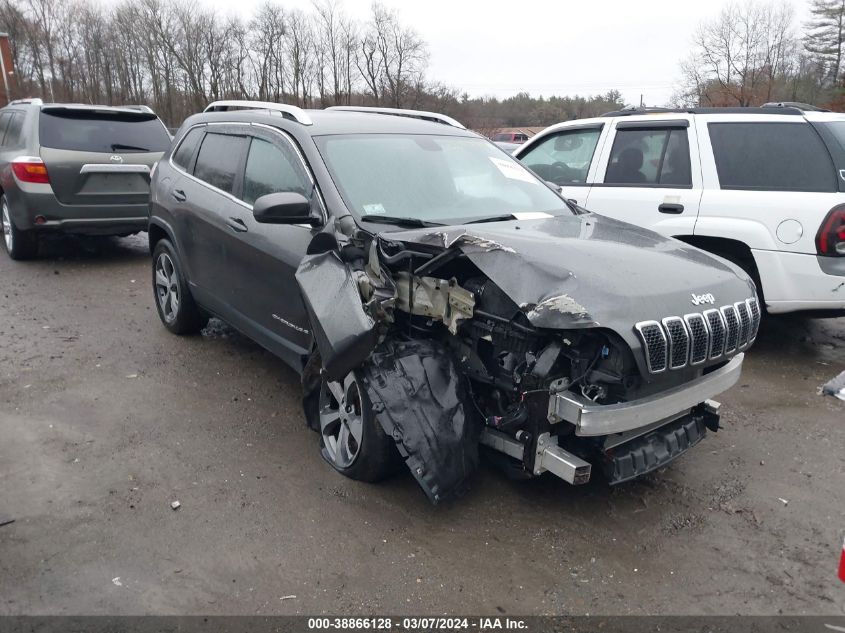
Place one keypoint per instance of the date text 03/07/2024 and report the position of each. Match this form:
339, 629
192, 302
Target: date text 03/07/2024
418, 624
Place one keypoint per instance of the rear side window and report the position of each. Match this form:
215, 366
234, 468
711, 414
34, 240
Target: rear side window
102, 131
187, 148
13, 132
219, 160
5, 117
271, 169
564, 158
650, 157
771, 157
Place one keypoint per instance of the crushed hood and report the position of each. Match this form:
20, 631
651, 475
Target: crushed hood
585, 271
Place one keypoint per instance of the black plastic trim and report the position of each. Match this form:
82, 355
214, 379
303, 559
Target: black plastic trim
656, 124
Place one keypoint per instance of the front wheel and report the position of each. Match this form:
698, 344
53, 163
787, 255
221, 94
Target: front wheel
175, 305
351, 439
19, 244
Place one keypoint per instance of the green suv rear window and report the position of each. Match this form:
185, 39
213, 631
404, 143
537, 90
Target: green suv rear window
102, 131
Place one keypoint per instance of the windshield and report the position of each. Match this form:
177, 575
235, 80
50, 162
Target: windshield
437, 179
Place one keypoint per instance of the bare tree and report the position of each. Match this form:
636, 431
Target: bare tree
741, 57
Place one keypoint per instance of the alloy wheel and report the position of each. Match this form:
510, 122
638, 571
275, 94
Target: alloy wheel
167, 287
341, 420
7, 227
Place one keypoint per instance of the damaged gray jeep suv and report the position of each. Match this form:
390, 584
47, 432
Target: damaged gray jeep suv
437, 297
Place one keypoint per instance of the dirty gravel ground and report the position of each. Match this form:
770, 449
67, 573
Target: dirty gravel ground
105, 418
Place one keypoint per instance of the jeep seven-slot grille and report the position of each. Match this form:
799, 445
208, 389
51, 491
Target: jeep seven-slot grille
676, 342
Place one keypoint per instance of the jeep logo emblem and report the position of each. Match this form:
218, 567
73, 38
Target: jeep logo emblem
697, 300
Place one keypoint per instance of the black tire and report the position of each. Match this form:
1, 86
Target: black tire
19, 244
376, 457
748, 265
174, 303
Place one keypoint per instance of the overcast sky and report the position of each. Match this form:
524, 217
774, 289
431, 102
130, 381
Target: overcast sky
562, 47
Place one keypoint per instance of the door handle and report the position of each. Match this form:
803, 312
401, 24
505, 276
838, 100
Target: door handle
179, 195
237, 225
671, 207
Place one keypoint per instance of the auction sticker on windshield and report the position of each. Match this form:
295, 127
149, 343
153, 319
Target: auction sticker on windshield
513, 170
374, 209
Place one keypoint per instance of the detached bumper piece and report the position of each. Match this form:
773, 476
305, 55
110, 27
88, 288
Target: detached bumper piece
656, 449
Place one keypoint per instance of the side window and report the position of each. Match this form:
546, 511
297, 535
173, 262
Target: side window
5, 117
13, 132
273, 168
656, 157
184, 154
219, 160
771, 157
564, 158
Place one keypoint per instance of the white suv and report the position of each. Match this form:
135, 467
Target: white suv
762, 187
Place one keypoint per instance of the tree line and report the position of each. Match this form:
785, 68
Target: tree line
178, 55
754, 51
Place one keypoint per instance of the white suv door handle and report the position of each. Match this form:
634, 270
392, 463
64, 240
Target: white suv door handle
671, 207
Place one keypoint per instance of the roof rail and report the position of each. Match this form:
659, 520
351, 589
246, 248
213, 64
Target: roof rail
785, 108
630, 110
297, 114
414, 114
806, 107
29, 100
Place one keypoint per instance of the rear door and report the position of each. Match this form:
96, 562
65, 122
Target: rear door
100, 156
566, 158
209, 199
648, 174
769, 181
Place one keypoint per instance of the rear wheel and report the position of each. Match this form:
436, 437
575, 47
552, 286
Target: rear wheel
352, 440
19, 244
747, 263
175, 305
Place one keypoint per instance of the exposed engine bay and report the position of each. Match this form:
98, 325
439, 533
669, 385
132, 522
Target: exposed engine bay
452, 361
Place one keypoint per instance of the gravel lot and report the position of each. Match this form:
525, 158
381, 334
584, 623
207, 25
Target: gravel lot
106, 418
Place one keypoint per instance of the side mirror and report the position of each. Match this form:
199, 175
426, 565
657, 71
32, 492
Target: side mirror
284, 208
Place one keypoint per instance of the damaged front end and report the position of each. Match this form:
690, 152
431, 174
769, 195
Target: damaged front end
463, 339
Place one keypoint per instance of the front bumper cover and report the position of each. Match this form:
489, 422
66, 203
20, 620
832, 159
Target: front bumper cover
592, 419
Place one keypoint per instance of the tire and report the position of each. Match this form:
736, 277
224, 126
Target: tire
19, 244
351, 439
174, 303
750, 267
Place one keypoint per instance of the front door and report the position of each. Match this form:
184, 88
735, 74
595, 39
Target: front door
267, 295
648, 175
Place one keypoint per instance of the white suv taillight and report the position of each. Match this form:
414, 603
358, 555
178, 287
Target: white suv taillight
830, 240
30, 169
